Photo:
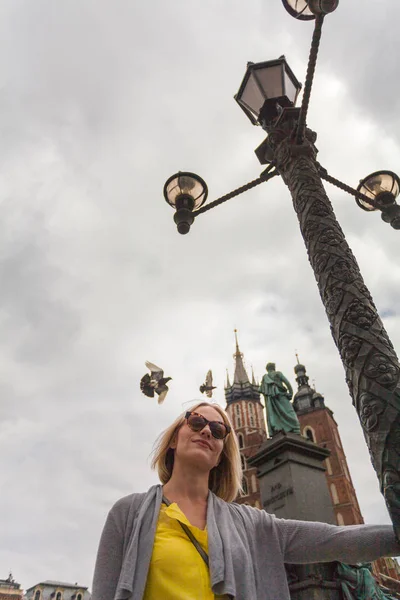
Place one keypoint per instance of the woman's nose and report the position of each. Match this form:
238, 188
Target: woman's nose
206, 431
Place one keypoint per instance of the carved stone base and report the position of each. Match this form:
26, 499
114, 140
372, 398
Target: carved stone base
313, 582
292, 478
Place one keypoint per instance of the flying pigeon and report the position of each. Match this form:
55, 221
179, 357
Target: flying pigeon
155, 382
208, 386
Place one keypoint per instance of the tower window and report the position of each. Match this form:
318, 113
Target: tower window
346, 471
251, 414
238, 419
240, 439
334, 493
243, 462
309, 434
328, 466
58, 597
337, 438
340, 520
245, 487
37, 595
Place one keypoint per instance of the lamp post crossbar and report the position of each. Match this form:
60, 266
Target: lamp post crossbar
312, 62
343, 186
237, 192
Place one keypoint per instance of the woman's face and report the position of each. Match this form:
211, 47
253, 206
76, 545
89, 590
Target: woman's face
199, 447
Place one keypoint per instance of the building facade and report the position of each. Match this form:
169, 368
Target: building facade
319, 426
57, 590
10, 589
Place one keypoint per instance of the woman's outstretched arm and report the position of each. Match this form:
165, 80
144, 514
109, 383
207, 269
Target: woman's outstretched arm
309, 542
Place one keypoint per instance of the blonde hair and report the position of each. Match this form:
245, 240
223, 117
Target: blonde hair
225, 479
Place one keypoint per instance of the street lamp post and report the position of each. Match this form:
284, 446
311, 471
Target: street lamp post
267, 95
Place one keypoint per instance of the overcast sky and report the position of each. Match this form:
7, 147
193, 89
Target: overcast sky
99, 104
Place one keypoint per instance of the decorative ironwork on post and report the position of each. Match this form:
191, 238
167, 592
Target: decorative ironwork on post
370, 361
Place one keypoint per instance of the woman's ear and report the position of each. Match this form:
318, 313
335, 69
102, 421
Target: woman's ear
172, 443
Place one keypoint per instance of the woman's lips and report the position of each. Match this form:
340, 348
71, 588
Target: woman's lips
203, 443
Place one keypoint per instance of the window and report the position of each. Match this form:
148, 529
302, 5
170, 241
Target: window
240, 439
238, 419
251, 414
37, 595
79, 597
337, 438
346, 471
309, 434
334, 493
58, 597
340, 520
328, 466
243, 462
244, 486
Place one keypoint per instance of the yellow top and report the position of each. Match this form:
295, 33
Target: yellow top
177, 571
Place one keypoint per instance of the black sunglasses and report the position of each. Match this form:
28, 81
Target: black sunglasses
197, 422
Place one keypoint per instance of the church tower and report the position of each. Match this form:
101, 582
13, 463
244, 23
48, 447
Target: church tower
319, 426
245, 410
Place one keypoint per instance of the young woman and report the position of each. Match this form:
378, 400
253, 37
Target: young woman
187, 540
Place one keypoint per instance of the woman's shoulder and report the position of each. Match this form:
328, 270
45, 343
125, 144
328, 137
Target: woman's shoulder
126, 502
130, 504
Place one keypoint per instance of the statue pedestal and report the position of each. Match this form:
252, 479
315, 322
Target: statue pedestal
313, 582
293, 486
292, 478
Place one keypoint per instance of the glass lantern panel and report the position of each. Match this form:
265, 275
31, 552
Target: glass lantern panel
300, 7
193, 187
291, 90
185, 184
172, 191
252, 96
381, 182
270, 79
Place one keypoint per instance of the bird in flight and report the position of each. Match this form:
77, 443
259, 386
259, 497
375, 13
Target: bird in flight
155, 382
208, 386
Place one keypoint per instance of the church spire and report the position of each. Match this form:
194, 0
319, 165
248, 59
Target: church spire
241, 388
240, 372
253, 379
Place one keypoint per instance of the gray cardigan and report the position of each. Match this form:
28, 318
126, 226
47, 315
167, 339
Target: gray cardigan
247, 548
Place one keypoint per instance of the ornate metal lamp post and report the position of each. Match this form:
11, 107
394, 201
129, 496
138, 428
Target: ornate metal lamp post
267, 96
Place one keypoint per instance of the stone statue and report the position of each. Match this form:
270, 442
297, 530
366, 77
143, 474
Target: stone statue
358, 583
277, 393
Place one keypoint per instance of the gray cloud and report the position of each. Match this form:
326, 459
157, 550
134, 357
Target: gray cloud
98, 106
